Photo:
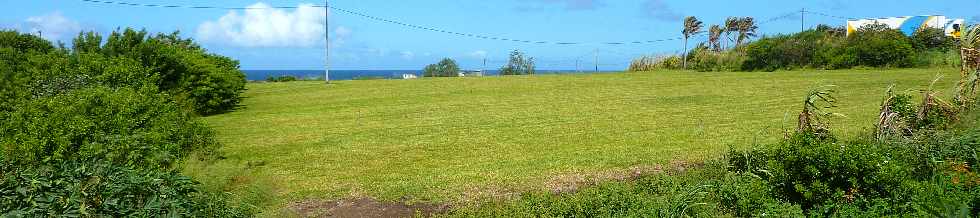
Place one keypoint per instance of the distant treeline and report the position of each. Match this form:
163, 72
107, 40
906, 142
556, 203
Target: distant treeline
823, 47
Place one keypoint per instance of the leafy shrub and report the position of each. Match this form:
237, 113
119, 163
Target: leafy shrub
705, 60
100, 189
124, 126
213, 83
806, 49
24, 42
747, 195
828, 48
937, 58
812, 172
285, 78
930, 38
209, 83
880, 46
89, 134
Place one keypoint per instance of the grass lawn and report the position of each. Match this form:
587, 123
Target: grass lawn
451, 139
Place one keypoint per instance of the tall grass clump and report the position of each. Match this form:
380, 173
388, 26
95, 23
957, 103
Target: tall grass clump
651, 63
708, 60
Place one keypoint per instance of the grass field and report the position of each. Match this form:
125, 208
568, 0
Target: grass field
452, 139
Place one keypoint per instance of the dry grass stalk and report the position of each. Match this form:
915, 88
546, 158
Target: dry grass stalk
814, 119
930, 102
889, 121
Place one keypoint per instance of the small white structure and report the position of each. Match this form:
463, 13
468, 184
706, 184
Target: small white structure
409, 76
910, 24
471, 73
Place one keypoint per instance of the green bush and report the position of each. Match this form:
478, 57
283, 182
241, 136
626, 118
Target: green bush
285, 78
705, 60
937, 58
209, 83
828, 48
24, 42
73, 189
880, 46
806, 49
90, 133
932, 39
123, 126
747, 195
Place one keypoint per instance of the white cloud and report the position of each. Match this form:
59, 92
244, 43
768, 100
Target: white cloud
340, 36
407, 55
302, 27
658, 9
53, 26
477, 54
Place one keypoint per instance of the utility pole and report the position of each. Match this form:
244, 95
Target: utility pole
802, 24
484, 70
597, 60
577, 70
326, 35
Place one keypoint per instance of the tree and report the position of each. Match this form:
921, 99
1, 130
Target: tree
87, 42
445, 68
518, 64
932, 39
714, 37
731, 26
746, 28
691, 26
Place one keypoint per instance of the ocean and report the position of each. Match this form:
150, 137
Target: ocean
255, 75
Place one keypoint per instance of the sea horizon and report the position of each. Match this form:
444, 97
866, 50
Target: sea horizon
258, 75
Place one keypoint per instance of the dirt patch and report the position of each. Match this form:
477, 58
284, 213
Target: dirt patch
364, 207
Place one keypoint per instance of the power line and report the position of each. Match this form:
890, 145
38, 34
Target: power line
829, 15
386, 20
197, 7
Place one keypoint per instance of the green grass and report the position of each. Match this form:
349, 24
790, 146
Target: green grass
450, 139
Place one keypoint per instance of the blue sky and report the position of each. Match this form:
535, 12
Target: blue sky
293, 38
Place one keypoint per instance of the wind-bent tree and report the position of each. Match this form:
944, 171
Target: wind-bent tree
714, 37
746, 29
731, 26
691, 26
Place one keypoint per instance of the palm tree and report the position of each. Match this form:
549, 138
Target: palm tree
746, 28
731, 26
714, 35
691, 26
